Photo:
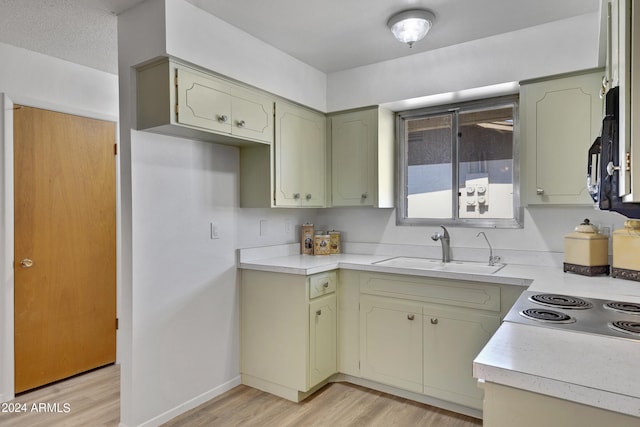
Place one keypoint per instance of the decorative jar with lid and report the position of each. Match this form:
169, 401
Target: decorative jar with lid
586, 251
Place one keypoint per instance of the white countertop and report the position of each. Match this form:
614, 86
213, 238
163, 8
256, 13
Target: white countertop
594, 370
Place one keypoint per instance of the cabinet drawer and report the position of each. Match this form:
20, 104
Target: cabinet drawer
322, 284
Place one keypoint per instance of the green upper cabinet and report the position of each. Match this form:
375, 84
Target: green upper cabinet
300, 157
179, 100
362, 158
559, 120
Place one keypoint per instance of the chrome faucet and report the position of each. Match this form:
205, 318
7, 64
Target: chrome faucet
444, 240
492, 259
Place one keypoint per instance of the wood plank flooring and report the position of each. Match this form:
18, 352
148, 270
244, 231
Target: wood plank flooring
89, 400
336, 405
94, 401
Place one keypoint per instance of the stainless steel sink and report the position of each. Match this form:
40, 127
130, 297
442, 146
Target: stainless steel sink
469, 267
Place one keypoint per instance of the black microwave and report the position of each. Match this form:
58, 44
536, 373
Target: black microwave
603, 164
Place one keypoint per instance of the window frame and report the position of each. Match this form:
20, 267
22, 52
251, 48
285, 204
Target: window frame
402, 167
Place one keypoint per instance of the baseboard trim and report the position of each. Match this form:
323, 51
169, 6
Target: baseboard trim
190, 404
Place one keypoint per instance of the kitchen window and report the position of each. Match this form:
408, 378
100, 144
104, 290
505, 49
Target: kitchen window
458, 165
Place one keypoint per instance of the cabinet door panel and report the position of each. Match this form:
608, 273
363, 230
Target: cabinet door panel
300, 157
288, 151
452, 339
353, 159
322, 339
560, 119
252, 118
391, 342
203, 102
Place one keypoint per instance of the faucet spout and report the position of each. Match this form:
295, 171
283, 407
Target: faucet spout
445, 242
492, 259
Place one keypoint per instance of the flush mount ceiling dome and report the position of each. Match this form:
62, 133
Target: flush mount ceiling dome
410, 26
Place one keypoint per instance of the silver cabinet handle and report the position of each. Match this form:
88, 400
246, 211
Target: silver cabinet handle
296, 196
410, 316
26, 263
434, 321
318, 313
241, 123
308, 196
325, 285
223, 118
539, 191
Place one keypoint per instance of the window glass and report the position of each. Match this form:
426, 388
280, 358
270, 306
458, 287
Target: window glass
429, 190
458, 164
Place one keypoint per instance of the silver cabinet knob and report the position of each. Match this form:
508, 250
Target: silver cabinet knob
308, 196
539, 191
434, 321
611, 168
26, 263
241, 123
318, 313
223, 118
365, 195
410, 316
325, 285
296, 196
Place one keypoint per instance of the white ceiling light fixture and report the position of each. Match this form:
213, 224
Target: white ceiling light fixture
410, 26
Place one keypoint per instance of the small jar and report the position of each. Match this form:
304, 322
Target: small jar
321, 243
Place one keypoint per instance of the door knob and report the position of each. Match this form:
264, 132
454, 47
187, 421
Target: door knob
26, 263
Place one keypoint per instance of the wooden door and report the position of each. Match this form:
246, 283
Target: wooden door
65, 245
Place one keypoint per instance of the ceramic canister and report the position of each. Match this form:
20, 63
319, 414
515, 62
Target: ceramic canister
585, 246
321, 244
334, 238
626, 246
306, 239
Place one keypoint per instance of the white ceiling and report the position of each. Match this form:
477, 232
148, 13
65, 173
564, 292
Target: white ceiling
330, 35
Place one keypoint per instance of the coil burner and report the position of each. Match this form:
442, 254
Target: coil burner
546, 315
626, 326
560, 301
623, 307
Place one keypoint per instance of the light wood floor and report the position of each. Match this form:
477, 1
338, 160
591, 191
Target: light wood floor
94, 401
336, 405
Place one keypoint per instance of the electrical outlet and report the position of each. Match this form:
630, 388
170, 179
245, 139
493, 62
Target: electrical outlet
287, 226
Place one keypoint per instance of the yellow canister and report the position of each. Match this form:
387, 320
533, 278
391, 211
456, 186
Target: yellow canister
626, 251
321, 244
334, 238
586, 251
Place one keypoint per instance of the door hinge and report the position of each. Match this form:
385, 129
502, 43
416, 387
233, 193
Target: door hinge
628, 162
115, 149
117, 324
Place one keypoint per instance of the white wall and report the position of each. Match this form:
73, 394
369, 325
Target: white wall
557, 47
196, 36
41, 81
180, 293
